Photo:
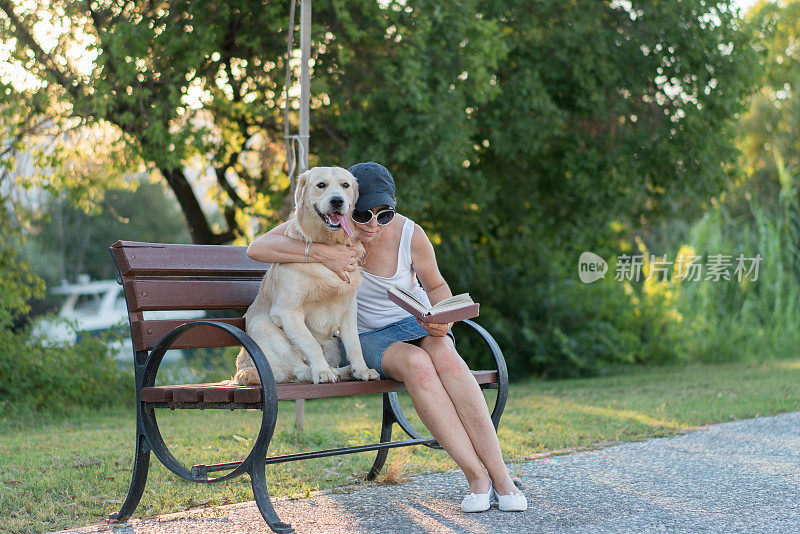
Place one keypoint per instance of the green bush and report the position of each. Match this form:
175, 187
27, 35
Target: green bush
43, 377
748, 320
36, 376
549, 323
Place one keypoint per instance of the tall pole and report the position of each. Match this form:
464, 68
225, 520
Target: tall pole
305, 102
305, 80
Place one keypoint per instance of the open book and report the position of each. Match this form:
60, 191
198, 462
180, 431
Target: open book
456, 308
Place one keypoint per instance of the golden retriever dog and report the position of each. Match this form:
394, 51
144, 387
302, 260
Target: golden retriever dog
300, 306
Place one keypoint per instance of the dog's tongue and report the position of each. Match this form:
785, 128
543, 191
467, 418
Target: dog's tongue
344, 223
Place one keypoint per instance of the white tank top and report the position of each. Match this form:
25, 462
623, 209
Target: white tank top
375, 310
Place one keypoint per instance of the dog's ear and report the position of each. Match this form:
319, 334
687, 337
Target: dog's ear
300, 188
355, 190
354, 187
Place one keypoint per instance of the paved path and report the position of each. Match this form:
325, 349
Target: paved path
742, 476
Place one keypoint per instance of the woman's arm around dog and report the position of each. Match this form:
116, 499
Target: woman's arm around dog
275, 247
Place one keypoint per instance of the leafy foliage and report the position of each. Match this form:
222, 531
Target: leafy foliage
42, 377
523, 133
64, 241
33, 374
736, 320
757, 214
520, 133
174, 81
772, 122
18, 284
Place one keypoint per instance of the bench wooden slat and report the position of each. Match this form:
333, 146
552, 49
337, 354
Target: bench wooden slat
248, 394
187, 394
219, 393
158, 394
146, 334
157, 295
134, 258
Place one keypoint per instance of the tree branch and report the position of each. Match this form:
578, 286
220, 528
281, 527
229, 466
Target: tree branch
99, 23
75, 88
195, 218
199, 226
230, 218
226, 186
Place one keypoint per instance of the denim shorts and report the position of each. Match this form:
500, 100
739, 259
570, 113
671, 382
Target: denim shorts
375, 342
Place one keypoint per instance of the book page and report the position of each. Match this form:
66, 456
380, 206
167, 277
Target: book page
404, 292
409, 299
449, 307
452, 303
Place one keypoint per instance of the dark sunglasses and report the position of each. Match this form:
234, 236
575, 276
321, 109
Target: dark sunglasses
384, 217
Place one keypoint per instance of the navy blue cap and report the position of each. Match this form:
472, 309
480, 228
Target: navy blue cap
375, 185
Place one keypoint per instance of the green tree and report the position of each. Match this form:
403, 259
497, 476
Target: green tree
520, 133
65, 241
172, 80
556, 128
772, 123
18, 284
617, 116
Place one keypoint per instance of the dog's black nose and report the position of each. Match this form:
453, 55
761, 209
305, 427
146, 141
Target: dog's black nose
337, 202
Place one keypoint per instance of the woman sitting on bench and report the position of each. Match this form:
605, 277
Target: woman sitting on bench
421, 355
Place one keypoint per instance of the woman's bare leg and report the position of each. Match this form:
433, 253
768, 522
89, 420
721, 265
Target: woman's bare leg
468, 401
413, 366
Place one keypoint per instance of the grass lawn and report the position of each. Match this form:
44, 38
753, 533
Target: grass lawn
73, 468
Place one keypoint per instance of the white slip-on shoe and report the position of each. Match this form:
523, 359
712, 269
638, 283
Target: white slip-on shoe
477, 502
513, 502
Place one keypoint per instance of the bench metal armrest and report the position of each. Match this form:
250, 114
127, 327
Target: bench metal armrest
153, 360
269, 402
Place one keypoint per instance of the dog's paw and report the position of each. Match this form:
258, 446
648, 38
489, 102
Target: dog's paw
324, 375
343, 372
247, 377
365, 374
302, 374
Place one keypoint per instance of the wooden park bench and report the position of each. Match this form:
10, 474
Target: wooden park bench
199, 277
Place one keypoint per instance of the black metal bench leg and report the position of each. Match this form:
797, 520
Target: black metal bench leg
258, 480
386, 436
141, 465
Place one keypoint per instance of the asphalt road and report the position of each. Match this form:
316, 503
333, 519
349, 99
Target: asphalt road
742, 476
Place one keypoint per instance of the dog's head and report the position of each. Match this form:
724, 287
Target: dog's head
330, 193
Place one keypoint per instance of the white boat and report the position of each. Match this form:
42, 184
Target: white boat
97, 307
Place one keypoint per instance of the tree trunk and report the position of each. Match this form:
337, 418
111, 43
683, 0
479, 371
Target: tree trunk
195, 218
